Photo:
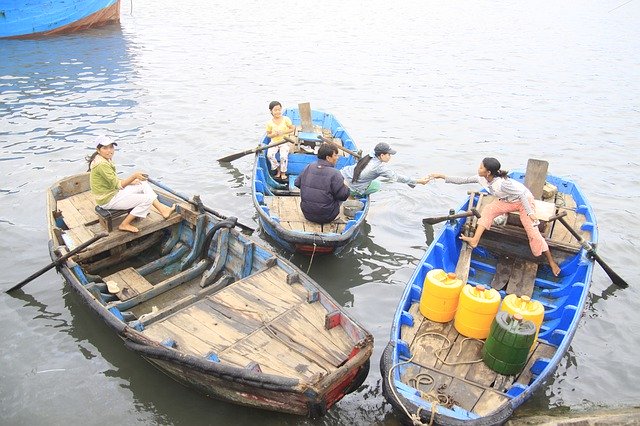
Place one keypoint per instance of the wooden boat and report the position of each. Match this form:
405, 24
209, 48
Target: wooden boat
210, 307
425, 376
278, 203
24, 18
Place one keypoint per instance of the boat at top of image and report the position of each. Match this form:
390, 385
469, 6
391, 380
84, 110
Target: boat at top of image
478, 331
35, 18
206, 304
278, 203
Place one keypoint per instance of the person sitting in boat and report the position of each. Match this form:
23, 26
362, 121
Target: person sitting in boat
362, 176
277, 128
322, 187
510, 196
110, 192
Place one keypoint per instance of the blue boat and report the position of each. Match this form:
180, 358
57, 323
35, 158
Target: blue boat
278, 203
430, 373
207, 305
35, 18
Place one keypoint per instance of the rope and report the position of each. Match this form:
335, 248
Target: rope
312, 254
437, 397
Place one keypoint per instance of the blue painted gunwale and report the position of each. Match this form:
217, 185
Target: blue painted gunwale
263, 184
30, 18
563, 298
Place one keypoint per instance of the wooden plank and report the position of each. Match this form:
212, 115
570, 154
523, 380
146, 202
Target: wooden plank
407, 333
186, 343
523, 275
277, 277
118, 238
131, 283
464, 260
480, 373
315, 313
301, 334
429, 339
461, 354
79, 235
298, 322
312, 227
305, 117
270, 353
536, 176
542, 350
193, 327
504, 267
440, 381
489, 402
465, 394
263, 305
86, 205
70, 213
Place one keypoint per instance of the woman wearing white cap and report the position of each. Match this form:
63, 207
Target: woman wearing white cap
361, 177
121, 194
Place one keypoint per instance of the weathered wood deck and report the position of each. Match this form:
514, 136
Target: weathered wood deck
287, 208
462, 378
260, 319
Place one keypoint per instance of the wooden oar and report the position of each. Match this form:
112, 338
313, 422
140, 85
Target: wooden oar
205, 208
615, 278
58, 261
434, 220
342, 148
237, 155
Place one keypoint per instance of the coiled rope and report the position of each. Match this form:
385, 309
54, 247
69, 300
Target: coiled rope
437, 397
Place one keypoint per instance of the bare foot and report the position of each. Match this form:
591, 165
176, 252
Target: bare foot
555, 269
128, 228
168, 211
469, 241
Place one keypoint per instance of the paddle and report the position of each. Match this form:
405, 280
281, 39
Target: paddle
342, 148
434, 220
237, 155
58, 261
197, 203
615, 278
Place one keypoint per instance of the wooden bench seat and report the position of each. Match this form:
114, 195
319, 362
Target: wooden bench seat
109, 219
79, 215
130, 282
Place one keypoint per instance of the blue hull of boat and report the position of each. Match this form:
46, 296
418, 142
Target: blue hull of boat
563, 299
28, 18
264, 185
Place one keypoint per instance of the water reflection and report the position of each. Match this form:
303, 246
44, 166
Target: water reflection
61, 88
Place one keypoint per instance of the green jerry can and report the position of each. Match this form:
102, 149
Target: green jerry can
507, 347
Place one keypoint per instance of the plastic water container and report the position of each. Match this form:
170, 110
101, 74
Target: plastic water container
440, 295
476, 309
507, 347
529, 309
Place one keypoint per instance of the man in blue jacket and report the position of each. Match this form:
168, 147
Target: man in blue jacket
322, 187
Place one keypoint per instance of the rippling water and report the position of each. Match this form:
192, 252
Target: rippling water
446, 83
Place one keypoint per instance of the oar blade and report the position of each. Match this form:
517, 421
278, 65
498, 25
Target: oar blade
233, 157
615, 278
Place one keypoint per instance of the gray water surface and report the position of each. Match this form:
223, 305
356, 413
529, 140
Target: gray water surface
445, 83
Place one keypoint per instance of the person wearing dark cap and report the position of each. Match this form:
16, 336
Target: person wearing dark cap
362, 176
132, 193
322, 187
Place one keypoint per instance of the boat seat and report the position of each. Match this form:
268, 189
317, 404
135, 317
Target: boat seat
109, 219
544, 211
130, 282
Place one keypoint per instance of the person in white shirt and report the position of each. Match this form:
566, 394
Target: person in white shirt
511, 196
